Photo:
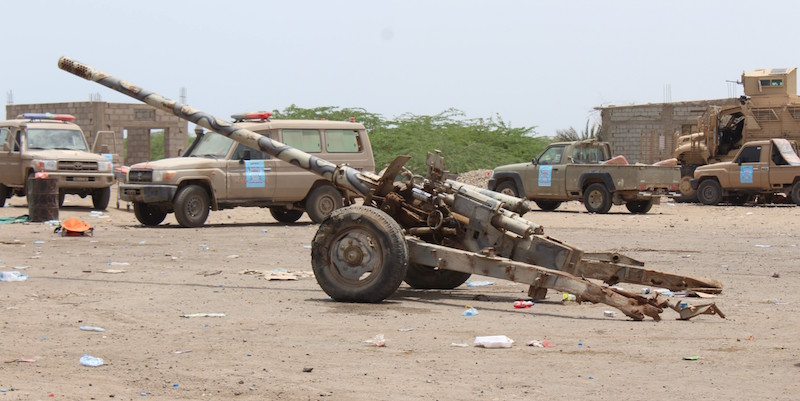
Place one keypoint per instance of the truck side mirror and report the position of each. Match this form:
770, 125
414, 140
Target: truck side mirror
533, 160
245, 156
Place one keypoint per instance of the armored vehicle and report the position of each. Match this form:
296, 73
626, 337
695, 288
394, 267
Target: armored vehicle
578, 171
769, 108
52, 143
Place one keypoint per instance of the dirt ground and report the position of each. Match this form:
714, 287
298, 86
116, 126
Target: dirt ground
287, 340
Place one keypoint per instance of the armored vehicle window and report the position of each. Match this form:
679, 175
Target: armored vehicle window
63, 139
770, 82
750, 154
342, 141
238, 154
307, 140
212, 145
552, 155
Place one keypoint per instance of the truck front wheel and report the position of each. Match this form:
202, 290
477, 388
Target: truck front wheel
639, 207
548, 206
709, 192
284, 215
191, 206
100, 198
148, 215
322, 201
597, 199
795, 193
507, 188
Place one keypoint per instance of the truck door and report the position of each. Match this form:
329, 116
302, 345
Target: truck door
251, 175
6, 165
753, 171
11, 173
550, 174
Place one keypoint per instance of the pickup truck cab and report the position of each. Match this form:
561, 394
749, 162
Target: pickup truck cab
765, 167
584, 171
52, 143
218, 173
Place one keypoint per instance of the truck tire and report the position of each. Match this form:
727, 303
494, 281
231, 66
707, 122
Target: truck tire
191, 206
795, 194
597, 199
359, 254
148, 215
507, 188
709, 192
284, 215
548, 206
100, 197
639, 207
427, 278
5, 192
322, 201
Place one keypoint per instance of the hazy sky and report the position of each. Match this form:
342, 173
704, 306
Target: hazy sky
535, 63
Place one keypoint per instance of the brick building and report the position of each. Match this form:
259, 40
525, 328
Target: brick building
647, 133
135, 121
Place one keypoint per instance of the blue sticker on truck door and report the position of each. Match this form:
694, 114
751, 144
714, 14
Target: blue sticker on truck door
746, 175
545, 175
254, 173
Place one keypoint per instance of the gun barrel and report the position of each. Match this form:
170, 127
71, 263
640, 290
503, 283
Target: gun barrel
342, 176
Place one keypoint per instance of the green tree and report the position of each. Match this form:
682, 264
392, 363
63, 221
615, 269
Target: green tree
571, 135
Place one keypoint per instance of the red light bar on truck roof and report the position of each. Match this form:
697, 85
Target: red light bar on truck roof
48, 116
253, 115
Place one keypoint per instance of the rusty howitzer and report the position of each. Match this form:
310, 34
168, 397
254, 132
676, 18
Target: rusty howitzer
433, 233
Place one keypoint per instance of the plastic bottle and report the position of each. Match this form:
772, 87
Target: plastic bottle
469, 312
523, 304
479, 283
13, 276
87, 360
567, 297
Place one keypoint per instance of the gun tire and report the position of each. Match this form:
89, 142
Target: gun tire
709, 192
191, 206
427, 278
100, 198
322, 201
639, 207
284, 215
548, 206
359, 254
508, 188
795, 194
148, 215
597, 199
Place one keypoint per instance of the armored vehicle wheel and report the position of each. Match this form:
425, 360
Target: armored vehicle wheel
191, 206
596, 199
359, 255
285, 215
100, 197
148, 215
4, 194
427, 278
795, 194
322, 201
508, 188
548, 206
709, 192
639, 207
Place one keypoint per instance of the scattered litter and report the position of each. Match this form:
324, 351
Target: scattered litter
185, 351
663, 291
98, 214
112, 263
691, 358
209, 273
469, 311
38, 242
21, 360
203, 315
406, 330
462, 345
493, 342
523, 304
591, 378
142, 242
111, 271
540, 344
776, 275
307, 246
174, 384
307, 370
232, 256
377, 341
279, 274
87, 360
479, 283
763, 246
92, 328
609, 313
567, 297
13, 276
683, 305
21, 267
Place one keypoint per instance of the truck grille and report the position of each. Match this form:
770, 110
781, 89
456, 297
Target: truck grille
140, 176
77, 166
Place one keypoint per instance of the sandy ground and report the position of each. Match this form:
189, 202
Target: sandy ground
274, 330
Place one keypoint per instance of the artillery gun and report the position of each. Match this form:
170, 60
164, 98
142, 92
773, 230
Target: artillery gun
433, 233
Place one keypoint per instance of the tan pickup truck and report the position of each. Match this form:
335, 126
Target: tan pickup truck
218, 173
52, 143
764, 168
581, 171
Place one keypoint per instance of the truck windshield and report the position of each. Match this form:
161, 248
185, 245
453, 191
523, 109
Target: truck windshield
63, 139
212, 145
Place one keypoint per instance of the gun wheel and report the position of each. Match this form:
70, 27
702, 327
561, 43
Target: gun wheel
427, 278
359, 255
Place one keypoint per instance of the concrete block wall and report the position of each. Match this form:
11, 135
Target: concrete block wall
647, 133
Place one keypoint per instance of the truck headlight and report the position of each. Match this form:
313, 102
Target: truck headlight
104, 166
162, 175
46, 165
